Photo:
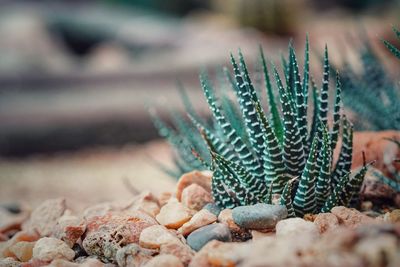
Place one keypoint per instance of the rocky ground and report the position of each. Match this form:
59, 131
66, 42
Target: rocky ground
184, 228
94, 218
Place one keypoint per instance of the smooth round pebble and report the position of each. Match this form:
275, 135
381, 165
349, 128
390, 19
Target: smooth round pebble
217, 231
259, 216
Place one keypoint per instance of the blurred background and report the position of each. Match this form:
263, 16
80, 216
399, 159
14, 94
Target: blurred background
76, 78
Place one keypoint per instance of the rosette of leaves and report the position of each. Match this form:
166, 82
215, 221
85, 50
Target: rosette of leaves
372, 94
287, 151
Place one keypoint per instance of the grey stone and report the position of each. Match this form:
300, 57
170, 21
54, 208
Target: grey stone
218, 231
259, 216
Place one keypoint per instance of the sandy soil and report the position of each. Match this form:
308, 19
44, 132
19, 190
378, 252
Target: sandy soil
86, 177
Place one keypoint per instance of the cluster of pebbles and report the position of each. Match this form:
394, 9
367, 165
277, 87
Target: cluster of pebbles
185, 228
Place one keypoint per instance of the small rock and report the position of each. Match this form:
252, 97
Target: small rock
146, 202
238, 233
164, 198
99, 210
200, 219
166, 260
10, 262
366, 205
69, 228
392, 217
374, 189
18, 237
202, 179
378, 250
259, 216
23, 250
213, 208
226, 254
217, 253
44, 218
296, 226
179, 250
10, 221
174, 214
195, 197
326, 222
154, 236
134, 255
106, 234
49, 248
350, 217
218, 231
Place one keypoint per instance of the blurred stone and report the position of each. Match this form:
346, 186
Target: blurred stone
9, 262
393, 216
164, 198
146, 202
182, 251
376, 147
202, 179
166, 260
10, 221
295, 227
326, 222
259, 216
350, 217
195, 197
200, 219
106, 234
23, 250
69, 228
174, 214
374, 189
133, 255
197, 239
18, 237
49, 248
44, 218
154, 236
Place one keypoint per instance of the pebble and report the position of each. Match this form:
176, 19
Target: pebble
393, 216
296, 226
200, 219
213, 208
326, 222
259, 216
44, 218
146, 202
154, 236
106, 234
50, 248
182, 251
351, 218
23, 250
133, 255
166, 260
174, 214
195, 197
69, 228
218, 231
201, 178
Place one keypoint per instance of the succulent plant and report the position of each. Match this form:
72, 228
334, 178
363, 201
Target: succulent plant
371, 94
254, 154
